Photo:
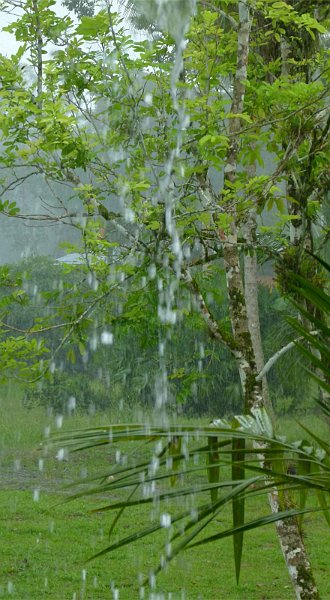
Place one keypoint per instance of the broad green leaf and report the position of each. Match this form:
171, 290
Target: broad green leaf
238, 503
324, 501
153, 225
260, 522
213, 466
91, 27
174, 450
304, 469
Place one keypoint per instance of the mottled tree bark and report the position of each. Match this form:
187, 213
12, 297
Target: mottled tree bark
251, 296
252, 392
294, 552
291, 542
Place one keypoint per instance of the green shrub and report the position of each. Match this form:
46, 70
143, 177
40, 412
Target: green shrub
65, 393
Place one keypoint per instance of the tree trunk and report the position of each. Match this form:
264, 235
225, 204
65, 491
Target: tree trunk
294, 552
251, 298
288, 531
246, 360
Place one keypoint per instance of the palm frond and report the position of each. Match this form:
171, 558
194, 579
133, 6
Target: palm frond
168, 462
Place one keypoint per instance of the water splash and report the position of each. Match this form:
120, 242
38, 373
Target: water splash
106, 338
165, 520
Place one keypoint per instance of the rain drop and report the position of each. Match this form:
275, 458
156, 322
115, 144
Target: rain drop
10, 587
106, 338
148, 99
71, 404
60, 454
165, 520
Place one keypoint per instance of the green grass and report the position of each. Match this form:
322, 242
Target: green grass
45, 544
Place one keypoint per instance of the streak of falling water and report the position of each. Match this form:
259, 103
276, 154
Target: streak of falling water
168, 283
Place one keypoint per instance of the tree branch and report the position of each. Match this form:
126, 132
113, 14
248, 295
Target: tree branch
273, 359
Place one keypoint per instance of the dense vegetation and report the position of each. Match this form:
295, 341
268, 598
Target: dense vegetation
192, 362
185, 163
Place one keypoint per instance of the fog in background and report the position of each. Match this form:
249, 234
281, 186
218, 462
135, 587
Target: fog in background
20, 238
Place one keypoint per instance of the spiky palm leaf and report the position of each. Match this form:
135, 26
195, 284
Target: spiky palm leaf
180, 454
150, 481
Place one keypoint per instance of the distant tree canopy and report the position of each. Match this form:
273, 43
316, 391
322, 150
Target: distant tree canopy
166, 155
81, 8
182, 163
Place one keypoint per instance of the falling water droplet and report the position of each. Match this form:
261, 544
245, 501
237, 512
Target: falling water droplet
106, 338
148, 99
152, 580
165, 520
152, 271
10, 587
71, 404
93, 342
61, 454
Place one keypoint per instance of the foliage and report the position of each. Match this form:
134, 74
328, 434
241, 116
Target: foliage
197, 367
64, 393
293, 467
80, 7
56, 538
186, 524
146, 166
170, 150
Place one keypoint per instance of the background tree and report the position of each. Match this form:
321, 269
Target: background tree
169, 173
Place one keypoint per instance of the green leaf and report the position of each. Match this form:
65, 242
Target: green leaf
174, 450
204, 140
243, 116
238, 503
260, 522
324, 501
140, 185
82, 348
213, 468
304, 469
153, 225
92, 27
71, 355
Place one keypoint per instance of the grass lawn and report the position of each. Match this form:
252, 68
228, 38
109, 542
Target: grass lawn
45, 543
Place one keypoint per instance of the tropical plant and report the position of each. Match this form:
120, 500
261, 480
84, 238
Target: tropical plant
165, 187
288, 470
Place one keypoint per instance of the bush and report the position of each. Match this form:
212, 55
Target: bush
64, 393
